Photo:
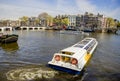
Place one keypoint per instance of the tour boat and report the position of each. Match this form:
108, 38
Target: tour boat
73, 59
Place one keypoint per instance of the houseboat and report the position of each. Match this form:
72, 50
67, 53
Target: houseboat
74, 58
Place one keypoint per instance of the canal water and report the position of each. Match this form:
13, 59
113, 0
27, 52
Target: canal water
26, 60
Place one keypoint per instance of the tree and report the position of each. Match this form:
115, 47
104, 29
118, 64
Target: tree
6, 23
24, 20
56, 21
45, 19
43, 15
65, 21
118, 24
37, 21
110, 22
49, 20
59, 21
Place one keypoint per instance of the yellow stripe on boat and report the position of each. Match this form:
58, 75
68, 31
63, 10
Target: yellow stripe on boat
87, 57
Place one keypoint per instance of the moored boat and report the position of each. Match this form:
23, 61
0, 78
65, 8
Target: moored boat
70, 32
118, 32
73, 59
8, 38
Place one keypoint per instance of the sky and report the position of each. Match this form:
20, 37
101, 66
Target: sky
14, 9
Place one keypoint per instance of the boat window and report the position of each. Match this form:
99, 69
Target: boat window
65, 59
89, 46
82, 43
68, 53
86, 47
79, 45
87, 39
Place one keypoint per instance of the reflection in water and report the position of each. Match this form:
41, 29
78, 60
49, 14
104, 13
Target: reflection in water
11, 47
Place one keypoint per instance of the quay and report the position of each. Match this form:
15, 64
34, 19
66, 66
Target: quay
109, 30
106, 30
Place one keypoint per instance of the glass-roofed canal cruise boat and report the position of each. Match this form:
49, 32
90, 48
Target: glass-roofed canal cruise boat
73, 59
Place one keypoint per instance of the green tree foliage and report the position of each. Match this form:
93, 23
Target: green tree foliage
56, 21
61, 21
24, 20
65, 21
37, 21
110, 22
118, 24
49, 20
5, 23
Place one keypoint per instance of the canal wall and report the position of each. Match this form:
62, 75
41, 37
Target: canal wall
106, 30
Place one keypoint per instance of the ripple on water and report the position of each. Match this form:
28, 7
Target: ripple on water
30, 74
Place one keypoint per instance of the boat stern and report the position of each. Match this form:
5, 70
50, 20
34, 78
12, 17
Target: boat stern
64, 69
65, 63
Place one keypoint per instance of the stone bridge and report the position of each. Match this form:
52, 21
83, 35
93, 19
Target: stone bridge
2, 29
32, 28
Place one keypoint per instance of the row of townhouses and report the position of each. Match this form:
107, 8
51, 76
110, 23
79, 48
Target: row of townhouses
84, 20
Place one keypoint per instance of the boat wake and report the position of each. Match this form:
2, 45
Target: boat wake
30, 74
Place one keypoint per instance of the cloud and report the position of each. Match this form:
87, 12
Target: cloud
113, 0
54, 7
113, 13
14, 12
86, 6
67, 7
24, 8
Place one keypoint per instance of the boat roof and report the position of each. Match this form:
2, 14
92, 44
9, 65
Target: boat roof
79, 47
83, 43
72, 49
75, 51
